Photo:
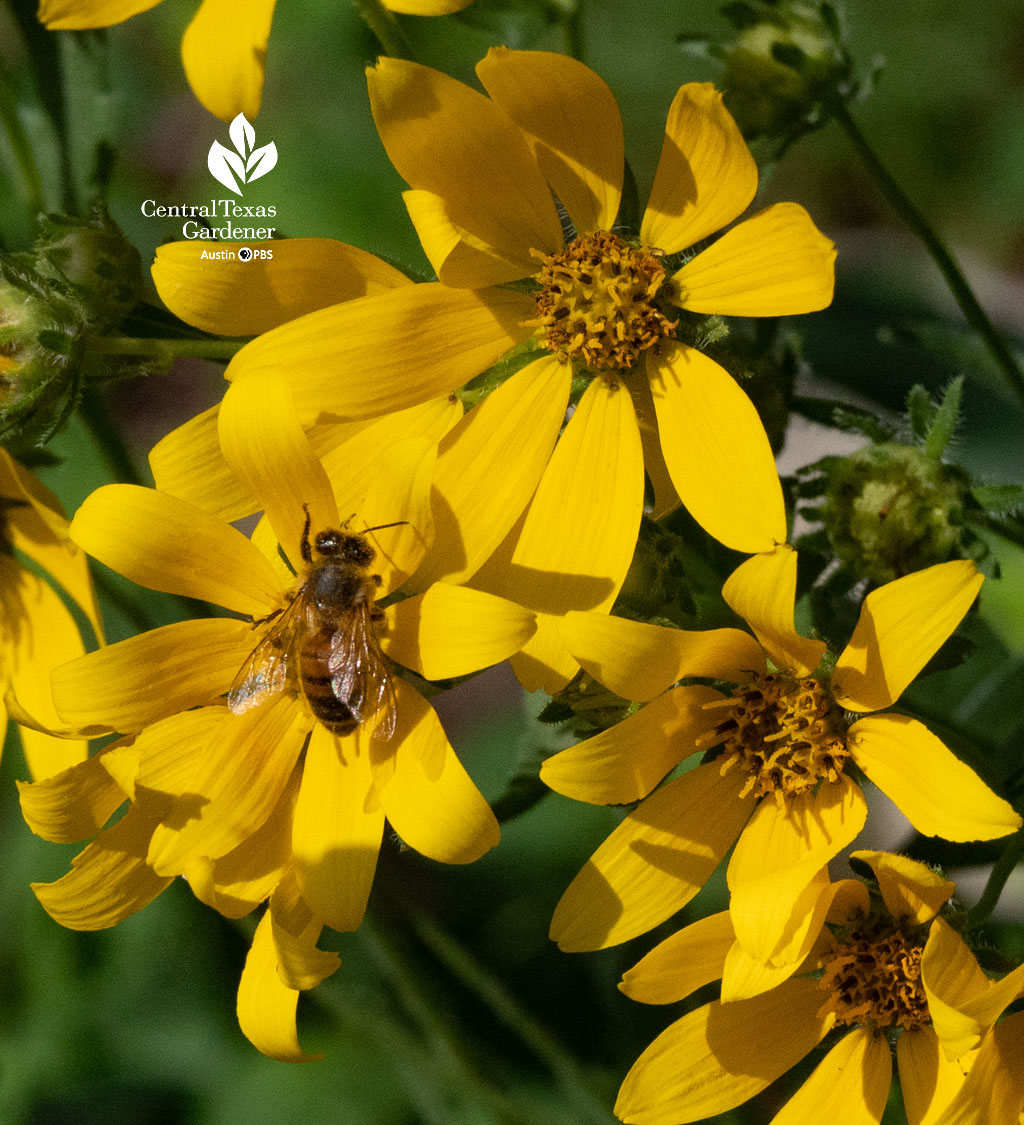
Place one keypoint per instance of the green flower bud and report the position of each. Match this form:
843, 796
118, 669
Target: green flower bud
784, 60
891, 509
39, 335
93, 259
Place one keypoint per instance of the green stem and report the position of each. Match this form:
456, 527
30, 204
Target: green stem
163, 349
573, 28
386, 28
20, 146
472, 974
962, 292
439, 1039
1001, 871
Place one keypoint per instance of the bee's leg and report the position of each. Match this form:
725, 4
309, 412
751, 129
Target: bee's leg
304, 548
377, 580
270, 617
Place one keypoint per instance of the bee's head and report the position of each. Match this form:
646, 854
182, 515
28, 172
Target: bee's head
344, 546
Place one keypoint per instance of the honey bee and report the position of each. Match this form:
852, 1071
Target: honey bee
323, 642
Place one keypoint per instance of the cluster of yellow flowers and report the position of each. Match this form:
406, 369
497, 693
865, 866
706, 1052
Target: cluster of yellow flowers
260, 753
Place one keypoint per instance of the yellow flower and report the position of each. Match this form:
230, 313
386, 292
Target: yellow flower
485, 174
224, 48
874, 980
778, 785
282, 793
36, 630
994, 1089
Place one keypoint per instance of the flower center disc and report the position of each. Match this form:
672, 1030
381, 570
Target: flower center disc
597, 301
875, 980
785, 732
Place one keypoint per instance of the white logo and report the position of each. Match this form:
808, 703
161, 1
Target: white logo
245, 165
245, 253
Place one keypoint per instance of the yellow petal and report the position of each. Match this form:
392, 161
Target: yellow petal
238, 882
901, 626
384, 353
229, 297
580, 530
638, 660
658, 478
266, 1006
994, 1090
165, 544
572, 123
266, 448
426, 7
762, 591
460, 259
781, 851
773, 264
488, 467
623, 764
850, 1086
448, 139
716, 450
224, 50
296, 931
167, 756
706, 175
928, 1080
657, 859
77, 15
745, 975
71, 805
38, 528
188, 463
40, 634
108, 881
394, 509
913, 893
689, 959
428, 798
963, 1003
236, 784
453, 630
128, 685
721, 1055
338, 829
544, 663
938, 794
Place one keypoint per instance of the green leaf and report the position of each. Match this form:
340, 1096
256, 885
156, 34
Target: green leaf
999, 497
920, 411
945, 419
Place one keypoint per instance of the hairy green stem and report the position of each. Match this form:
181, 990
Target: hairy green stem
976, 316
1001, 871
386, 28
163, 349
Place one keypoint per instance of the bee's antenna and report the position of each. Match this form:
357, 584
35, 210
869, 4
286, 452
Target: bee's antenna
382, 526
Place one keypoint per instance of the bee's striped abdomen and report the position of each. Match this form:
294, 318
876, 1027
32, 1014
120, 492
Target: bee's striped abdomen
318, 684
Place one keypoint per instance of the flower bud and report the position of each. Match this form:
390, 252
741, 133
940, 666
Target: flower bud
787, 56
891, 509
93, 259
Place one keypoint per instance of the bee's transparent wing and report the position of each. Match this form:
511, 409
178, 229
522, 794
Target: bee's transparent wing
269, 667
360, 676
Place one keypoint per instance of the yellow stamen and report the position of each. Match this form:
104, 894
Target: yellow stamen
785, 732
874, 979
597, 301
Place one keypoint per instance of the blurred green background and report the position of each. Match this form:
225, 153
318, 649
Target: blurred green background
137, 1025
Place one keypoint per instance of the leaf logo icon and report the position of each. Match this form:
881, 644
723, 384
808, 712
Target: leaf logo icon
246, 163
